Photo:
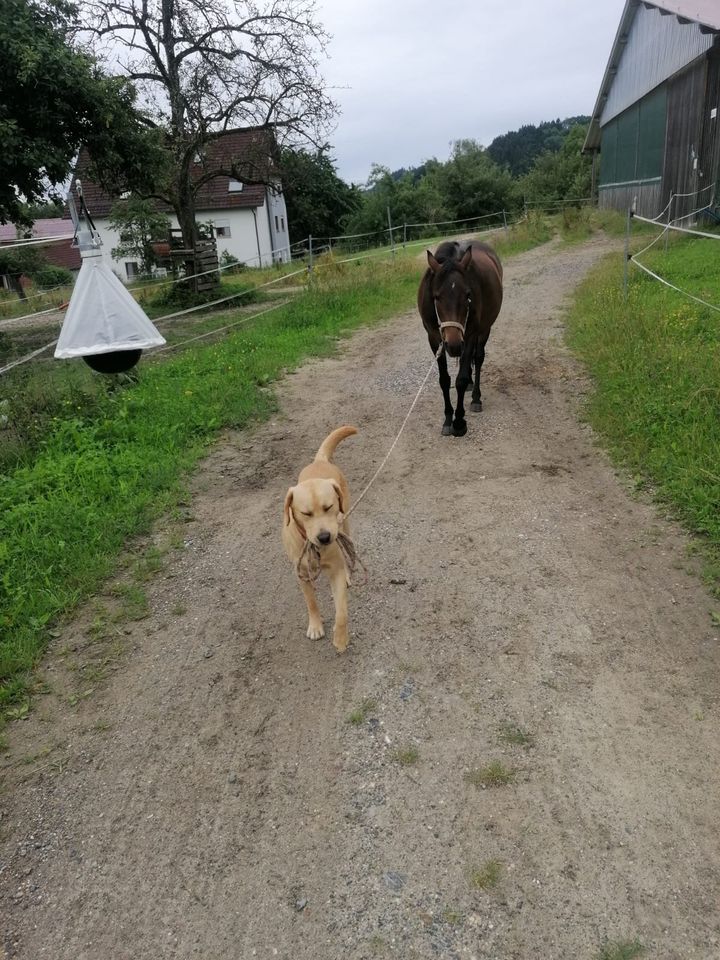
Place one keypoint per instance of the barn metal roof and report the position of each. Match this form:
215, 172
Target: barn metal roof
705, 13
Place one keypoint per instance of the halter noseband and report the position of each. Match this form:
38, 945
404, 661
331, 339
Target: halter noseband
442, 324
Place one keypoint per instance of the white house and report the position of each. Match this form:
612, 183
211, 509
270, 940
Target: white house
250, 220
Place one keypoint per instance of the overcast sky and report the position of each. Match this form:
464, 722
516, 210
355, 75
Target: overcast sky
414, 75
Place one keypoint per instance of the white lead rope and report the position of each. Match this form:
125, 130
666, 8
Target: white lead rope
399, 433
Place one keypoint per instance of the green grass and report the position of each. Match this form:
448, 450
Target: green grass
655, 361
12, 306
494, 774
486, 877
406, 756
362, 712
452, 916
511, 733
621, 950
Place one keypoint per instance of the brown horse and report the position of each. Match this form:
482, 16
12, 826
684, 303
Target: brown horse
459, 299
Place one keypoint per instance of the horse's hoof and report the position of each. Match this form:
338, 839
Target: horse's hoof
459, 429
476, 407
447, 430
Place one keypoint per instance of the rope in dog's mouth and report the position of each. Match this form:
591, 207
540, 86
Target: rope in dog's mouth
309, 565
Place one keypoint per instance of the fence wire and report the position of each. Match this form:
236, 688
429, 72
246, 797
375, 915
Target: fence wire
671, 225
385, 253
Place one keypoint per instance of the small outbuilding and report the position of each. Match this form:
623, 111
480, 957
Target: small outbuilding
654, 129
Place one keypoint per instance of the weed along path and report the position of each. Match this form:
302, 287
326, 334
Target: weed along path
517, 758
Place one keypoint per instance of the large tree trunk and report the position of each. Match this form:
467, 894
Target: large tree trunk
185, 213
16, 284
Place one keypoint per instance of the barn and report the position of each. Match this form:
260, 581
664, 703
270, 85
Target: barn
654, 129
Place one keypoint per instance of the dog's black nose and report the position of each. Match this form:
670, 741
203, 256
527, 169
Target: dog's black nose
324, 537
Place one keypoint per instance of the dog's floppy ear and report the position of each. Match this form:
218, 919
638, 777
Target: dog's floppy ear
288, 505
341, 501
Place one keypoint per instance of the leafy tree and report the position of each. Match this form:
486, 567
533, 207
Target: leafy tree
54, 98
45, 210
473, 184
48, 276
20, 261
410, 200
139, 224
318, 201
564, 175
208, 66
381, 191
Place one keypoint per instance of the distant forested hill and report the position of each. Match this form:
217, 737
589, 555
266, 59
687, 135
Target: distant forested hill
518, 149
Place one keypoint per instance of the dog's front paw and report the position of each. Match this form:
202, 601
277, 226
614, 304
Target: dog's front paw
341, 639
315, 630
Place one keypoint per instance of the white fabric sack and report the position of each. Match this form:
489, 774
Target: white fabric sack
103, 316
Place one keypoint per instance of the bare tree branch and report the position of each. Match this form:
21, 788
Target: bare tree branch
205, 67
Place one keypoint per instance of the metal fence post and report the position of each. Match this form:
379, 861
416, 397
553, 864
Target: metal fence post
310, 252
627, 255
669, 216
505, 220
630, 213
390, 228
404, 235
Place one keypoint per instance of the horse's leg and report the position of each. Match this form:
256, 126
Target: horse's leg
445, 387
464, 379
476, 403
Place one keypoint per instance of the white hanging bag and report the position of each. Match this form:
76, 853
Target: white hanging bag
103, 317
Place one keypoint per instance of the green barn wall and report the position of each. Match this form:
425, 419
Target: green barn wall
633, 144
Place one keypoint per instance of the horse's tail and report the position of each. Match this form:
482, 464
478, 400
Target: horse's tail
327, 447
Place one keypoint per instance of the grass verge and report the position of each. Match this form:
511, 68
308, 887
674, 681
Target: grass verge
655, 361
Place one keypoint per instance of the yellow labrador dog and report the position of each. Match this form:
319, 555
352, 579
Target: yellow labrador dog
315, 512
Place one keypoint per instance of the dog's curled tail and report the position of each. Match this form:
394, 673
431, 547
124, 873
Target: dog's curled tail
327, 447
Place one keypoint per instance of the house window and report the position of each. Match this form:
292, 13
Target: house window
132, 269
234, 186
277, 223
282, 224
222, 228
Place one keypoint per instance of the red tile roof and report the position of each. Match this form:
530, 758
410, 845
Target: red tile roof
248, 150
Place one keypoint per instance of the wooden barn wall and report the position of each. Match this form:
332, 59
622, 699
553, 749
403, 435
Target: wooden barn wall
620, 197
710, 138
685, 108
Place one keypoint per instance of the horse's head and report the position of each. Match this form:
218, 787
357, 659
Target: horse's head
452, 296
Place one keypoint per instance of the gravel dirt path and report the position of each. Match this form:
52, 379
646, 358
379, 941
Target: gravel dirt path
210, 798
